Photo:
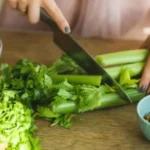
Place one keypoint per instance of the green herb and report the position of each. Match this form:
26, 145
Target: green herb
65, 65
17, 126
135, 69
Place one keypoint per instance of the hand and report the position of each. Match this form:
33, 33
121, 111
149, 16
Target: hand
145, 80
34, 11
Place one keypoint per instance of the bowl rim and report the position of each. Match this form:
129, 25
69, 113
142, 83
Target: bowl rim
141, 101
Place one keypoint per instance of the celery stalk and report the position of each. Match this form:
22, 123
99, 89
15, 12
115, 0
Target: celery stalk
108, 100
113, 99
94, 80
135, 69
123, 57
64, 108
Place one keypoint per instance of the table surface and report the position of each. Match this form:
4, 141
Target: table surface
113, 128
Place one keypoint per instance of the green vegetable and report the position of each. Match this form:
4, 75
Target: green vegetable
125, 79
78, 79
27, 82
17, 126
123, 57
106, 101
46, 112
71, 99
86, 98
65, 65
59, 92
135, 69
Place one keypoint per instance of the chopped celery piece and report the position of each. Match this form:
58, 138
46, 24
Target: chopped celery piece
78, 79
135, 69
123, 57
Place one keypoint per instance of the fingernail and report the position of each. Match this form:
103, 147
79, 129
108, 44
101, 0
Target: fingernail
143, 88
67, 30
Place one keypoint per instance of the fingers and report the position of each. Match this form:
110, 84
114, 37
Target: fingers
53, 10
22, 5
19, 4
13, 3
34, 11
145, 80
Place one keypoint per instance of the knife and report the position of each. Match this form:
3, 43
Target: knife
66, 43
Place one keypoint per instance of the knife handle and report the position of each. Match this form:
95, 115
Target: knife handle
48, 20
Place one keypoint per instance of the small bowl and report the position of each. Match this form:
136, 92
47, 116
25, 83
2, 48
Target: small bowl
143, 108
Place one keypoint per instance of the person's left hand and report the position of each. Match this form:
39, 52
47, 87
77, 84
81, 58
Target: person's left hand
144, 85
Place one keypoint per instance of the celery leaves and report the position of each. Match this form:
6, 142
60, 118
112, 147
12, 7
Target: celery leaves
126, 81
17, 126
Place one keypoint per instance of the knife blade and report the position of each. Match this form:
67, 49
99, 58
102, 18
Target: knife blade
66, 43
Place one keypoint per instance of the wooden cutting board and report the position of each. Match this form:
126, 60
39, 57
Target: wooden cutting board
109, 129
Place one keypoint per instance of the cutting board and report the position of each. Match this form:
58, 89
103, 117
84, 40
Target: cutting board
113, 128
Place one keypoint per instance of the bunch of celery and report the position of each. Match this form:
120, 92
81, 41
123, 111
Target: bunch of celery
126, 68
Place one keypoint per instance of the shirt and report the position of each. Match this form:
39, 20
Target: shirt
108, 19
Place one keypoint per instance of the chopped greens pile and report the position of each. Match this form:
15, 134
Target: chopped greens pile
17, 126
31, 89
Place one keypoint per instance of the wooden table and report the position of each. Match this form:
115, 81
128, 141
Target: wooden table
109, 129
